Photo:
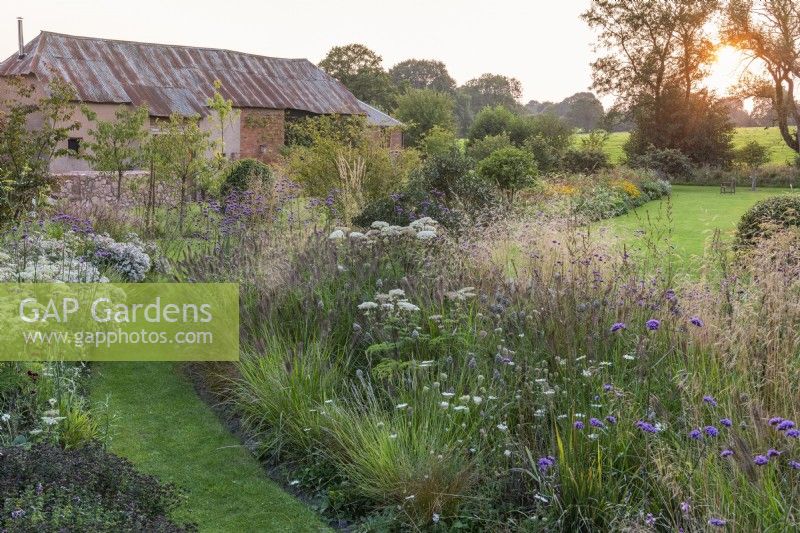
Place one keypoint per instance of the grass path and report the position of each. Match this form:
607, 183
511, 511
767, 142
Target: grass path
168, 431
696, 213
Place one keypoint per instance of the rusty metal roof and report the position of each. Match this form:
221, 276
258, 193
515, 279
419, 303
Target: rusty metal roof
376, 117
169, 78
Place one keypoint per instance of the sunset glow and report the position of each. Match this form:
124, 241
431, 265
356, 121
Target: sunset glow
726, 70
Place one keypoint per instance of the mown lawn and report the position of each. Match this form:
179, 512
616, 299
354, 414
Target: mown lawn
770, 137
696, 212
165, 429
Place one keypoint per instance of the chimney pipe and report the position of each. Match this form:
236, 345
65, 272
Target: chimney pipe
21, 40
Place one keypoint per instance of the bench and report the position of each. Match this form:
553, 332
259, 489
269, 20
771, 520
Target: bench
727, 188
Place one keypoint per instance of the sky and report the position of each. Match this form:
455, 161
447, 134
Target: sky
543, 43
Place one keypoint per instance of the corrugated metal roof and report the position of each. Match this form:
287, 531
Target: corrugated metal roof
376, 117
180, 79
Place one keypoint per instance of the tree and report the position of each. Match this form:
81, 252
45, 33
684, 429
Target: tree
699, 126
751, 156
769, 31
421, 110
581, 110
224, 113
180, 152
649, 45
493, 90
656, 54
491, 121
423, 74
25, 152
438, 141
116, 145
360, 70
511, 169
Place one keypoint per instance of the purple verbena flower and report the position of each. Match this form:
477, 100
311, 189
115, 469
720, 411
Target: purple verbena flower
545, 463
594, 422
727, 422
711, 431
794, 464
783, 426
650, 519
725, 453
775, 420
760, 460
653, 324
793, 433
717, 522
710, 400
646, 427
697, 321
695, 434
772, 452
608, 387
685, 507
617, 326
579, 425
611, 419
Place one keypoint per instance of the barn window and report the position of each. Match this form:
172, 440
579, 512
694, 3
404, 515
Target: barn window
74, 144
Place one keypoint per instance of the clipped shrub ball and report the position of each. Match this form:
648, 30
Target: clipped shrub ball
244, 173
511, 169
768, 216
585, 161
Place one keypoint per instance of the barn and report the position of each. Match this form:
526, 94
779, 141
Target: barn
269, 92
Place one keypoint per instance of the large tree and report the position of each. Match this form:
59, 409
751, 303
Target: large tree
493, 90
423, 74
655, 56
769, 32
360, 70
422, 110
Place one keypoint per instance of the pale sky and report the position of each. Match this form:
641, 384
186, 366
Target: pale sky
543, 43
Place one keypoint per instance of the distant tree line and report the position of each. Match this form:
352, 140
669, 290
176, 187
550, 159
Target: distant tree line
414, 85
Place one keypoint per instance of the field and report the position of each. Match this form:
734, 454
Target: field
770, 137
693, 214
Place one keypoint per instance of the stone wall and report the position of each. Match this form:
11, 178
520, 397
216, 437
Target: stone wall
93, 189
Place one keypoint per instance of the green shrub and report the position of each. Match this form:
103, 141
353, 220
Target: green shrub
46, 488
480, 149
511, 169
438, 141
767, 216
243, 174
584, 161
669, 163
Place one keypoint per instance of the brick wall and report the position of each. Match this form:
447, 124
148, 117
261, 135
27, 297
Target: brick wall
262, 134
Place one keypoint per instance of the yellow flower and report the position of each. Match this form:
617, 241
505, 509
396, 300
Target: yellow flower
626, 186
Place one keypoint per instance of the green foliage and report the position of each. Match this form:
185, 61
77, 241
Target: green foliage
45, 488
360, 70
492, 90
697, 125
766, 217
443, 172
224, 113
242, 174
423, 74
422, 110
25, 152
511, 169
752, 155
116, 145
314, 163
180, 156
491, 121
669, 163
590, 157
483, 148
438, 141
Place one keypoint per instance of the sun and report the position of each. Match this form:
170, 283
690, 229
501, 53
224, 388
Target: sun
726, 70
